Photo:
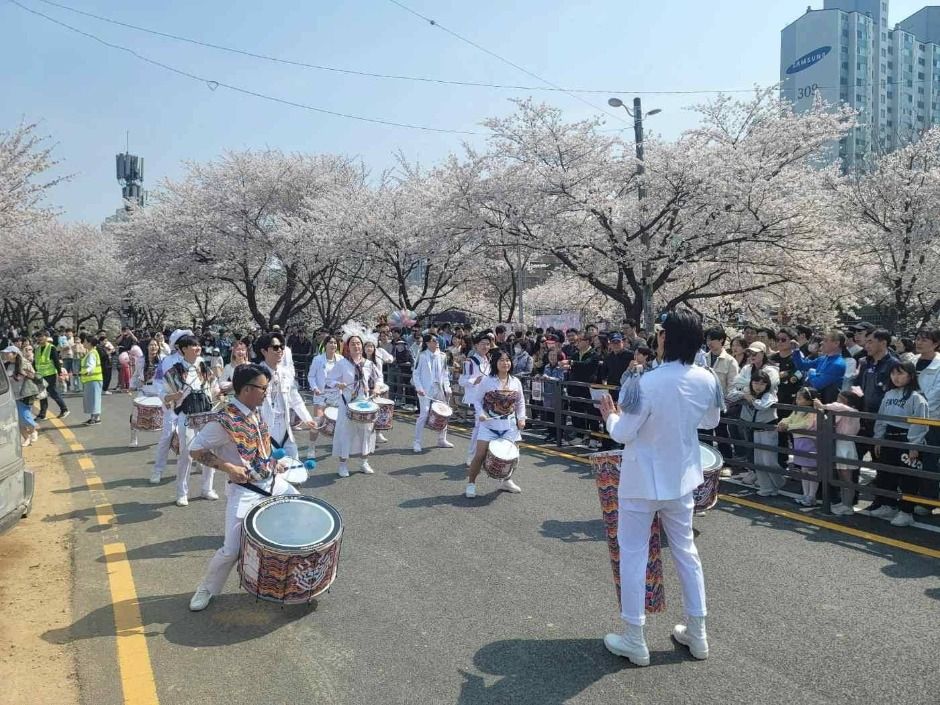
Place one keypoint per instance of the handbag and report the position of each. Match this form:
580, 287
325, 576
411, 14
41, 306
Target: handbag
41, 386
29, 389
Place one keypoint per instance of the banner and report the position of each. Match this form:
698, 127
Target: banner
559, 321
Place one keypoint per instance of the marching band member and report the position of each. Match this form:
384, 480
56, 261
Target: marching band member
237, 442
169, 417
189, 387
282, 397
475, 369
378, 357
322, 378
239, 357
431, 380
357, 378
500, 411
661, 468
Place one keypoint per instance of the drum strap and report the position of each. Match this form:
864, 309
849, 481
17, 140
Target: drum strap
283, 440
254, 488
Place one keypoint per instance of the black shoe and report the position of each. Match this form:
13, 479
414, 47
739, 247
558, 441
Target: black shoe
40, 417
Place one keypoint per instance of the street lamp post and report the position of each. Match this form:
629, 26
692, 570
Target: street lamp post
637, 115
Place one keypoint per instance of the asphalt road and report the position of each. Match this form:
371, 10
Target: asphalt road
502, 599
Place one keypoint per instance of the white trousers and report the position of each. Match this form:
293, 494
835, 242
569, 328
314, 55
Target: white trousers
290, 448
224, 559
184, 464
633, 533
471, 451
163, 447
424, 409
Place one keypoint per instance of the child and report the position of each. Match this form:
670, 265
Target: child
846, 426
758, 406
903, 400
804, 444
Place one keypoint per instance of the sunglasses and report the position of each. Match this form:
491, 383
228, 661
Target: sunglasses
263, 390
276, 347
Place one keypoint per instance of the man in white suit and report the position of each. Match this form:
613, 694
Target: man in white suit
661, 467
282, 397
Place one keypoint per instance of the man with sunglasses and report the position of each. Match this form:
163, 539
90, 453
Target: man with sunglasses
282, 397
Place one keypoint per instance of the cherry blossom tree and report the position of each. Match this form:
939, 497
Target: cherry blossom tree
25, 157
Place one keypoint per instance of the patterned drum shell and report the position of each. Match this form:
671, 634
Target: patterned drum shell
197, 422
706, 494
439, 416
147, 414
329, 421
502, 456
362, 411
290, 548
386, 415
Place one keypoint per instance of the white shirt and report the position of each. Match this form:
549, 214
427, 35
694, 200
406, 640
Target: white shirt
661, 457
474, 368
323, 375
282, 397
431, 375
492, 383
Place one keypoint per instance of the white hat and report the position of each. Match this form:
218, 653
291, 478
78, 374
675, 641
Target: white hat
177, 334
11, 349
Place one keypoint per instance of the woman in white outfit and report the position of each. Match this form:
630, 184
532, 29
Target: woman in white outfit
189, 388
475, 369
239, 357
431, 380
378, 357
357, 378
323, 378
500, 410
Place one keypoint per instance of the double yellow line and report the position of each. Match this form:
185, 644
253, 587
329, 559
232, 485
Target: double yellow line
137, 680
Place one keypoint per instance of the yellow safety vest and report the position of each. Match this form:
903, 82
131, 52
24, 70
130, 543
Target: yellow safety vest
97, 374
44, 366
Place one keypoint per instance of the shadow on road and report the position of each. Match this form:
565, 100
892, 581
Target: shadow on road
574, 531
113, 450
454, 471
546, 672
230, 619
110, 485
172, 549
454, 500
124, 512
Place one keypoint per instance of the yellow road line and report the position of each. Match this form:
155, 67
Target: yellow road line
797, 516
137, 680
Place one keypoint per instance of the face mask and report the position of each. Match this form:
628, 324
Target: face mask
518, 349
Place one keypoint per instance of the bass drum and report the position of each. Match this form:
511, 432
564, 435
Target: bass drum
706, 494
502, 457
290, 548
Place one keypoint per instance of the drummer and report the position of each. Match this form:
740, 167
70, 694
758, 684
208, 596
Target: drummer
475, 369
500, 411
189, 387
322, 379
661, 468
431, 380
283, 397
238, 444
169, 417
356, 378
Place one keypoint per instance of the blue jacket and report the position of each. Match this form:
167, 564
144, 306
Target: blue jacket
823, 371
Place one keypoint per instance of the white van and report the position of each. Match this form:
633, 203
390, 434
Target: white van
16, 482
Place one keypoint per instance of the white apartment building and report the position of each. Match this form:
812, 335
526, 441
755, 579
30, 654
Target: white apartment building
846, 53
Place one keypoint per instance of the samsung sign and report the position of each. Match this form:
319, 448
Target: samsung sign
804, 62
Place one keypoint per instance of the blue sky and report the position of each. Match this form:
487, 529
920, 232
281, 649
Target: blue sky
87, 95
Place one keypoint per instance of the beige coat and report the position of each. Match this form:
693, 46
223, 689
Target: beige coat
725, 369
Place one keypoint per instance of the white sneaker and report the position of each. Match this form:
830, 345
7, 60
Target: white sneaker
767, 493
631, 645
508, 485
380, 438
343, 470
155, 477
200, 600
884, 512
471, 490
25, 441
693, 635
444, 444
182, 501
211, 494
366, 468
416, 447
921, 511
34, 436
725, 472
841, 510
902, 519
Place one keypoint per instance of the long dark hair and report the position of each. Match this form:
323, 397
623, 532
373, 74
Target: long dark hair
911, 369
494, 355
760, 376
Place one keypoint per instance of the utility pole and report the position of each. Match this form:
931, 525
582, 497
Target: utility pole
520, 283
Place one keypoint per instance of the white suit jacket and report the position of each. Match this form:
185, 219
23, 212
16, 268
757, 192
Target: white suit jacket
661, 458
282, 397
430, 370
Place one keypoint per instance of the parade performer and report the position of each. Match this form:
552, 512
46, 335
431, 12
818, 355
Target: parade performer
322, 379
283, 396
189, 387
661, 467
500, 412
237, 443
357, 378
431, 380
475, 369
169, 417
375, 354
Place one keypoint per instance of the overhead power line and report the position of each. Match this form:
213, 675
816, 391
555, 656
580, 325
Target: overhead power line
214, 84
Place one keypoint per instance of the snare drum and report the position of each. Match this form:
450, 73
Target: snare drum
606, 466
329, 421
502, 456
196, 422
706, 494
290, 548
362, 411
147, 414
439, 416
383, 422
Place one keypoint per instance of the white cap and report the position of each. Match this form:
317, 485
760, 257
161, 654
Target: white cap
177, 334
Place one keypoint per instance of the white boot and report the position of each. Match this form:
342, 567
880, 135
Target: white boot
693, 635
312, 448
631, 645
442, 441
